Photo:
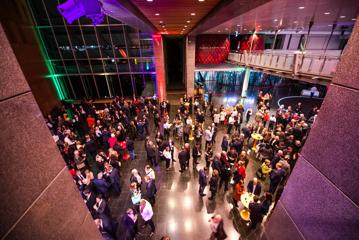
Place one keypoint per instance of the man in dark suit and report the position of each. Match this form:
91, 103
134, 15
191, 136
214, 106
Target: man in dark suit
101, 185
182, 157
202, 180
276, 176
254, 187
101, 207
90, 147
255, 212
90, 200
106, 228
151, 190
114, 176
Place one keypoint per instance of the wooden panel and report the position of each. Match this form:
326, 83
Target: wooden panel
174, 14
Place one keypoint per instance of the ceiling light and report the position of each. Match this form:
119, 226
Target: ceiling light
163, 26
245, 29
326, 13
295, 22
193, 14
149, 0
353, 19
185, 26
219, 31
200, 0
226, 28
276, 20
238, 25
188, 21
157, 14
300, 8
330, 25
161, 21
342, 16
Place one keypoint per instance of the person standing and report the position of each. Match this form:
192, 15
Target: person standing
151, 190
196, 154
217, 228
276, 176
131, 148
213, 184
202, 180
147, 214
208, 155
168, 157
255, 209
129, 222
182, 157
208, 134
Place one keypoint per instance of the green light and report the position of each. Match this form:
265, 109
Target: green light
61, 93
147, 66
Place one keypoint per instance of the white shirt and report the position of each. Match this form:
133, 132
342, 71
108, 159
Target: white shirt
147, 211
189, 121
167, 154
150, 173
223, 115
208, 135
216, 117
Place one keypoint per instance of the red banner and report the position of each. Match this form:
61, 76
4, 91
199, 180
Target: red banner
212, 49
258, 43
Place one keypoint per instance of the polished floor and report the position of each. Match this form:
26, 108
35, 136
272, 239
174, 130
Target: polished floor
179, 212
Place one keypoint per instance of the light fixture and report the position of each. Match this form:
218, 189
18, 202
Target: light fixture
342, 16
238, 25
185, 26
301, 8
245, 29
161, 21
163, 26
188, 21
275, 20
200, 0
157, 14
219, 31
295, 22
326, 13
149, 0
353, 19
193, 14
226, 28
330, 25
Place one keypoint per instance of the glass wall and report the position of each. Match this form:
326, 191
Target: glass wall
111, 59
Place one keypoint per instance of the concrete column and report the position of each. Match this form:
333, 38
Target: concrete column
190, 64
245, 82
320, 200
160, 66
39, 199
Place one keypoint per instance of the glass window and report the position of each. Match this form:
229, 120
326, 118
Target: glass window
102, 86
126, 85
149, 85
78, 86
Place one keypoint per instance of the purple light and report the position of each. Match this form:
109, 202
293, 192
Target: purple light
72, 10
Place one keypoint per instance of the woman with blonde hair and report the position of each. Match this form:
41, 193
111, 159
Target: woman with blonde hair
264, 170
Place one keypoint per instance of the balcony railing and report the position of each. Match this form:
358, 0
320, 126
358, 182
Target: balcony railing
312, 63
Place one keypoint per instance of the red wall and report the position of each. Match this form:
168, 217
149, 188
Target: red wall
258, 43
212, 49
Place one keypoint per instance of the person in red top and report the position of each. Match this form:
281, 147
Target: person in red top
112, 140
90, 121
266, 117
241, 169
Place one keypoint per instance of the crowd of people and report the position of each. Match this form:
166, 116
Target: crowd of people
95, 140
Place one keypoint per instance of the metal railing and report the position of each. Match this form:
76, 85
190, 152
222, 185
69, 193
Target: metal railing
323, 65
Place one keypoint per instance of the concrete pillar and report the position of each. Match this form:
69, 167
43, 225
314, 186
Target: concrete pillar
21, 35
160, 66
39, 199
245, 82
320, 200
190, 64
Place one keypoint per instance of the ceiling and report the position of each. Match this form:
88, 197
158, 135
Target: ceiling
174, 16
292, 15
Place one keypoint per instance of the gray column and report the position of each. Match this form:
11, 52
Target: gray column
320, 200
190, 64
39, 199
